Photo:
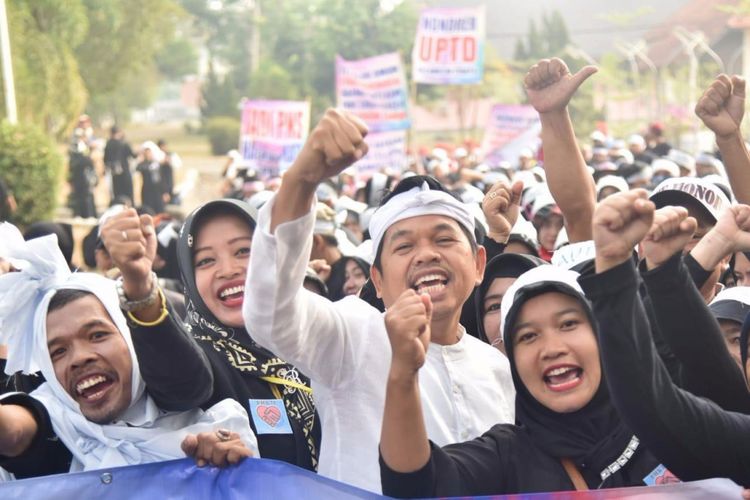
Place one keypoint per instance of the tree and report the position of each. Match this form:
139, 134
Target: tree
550, 41
220, 97
177, 58
67, 52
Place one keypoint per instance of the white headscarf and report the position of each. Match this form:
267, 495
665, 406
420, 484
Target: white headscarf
143, 433
415, 202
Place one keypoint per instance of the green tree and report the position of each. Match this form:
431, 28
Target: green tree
31, 166
220, 96
177, 58
556, 34
548, 41
272, 81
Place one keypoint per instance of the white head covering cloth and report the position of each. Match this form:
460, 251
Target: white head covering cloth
143, 433
413, 203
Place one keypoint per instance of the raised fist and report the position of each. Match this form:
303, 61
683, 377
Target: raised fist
722, 105
620, 222
671, 230
336, 142
731, 233
501, 207
130, 241
549, 84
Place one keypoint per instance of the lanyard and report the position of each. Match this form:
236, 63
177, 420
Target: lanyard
274, 381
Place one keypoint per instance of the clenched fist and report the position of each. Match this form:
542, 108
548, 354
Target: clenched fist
130, 241
407, 322
722, 105
671, 230
620, 222
336, 142
501, 207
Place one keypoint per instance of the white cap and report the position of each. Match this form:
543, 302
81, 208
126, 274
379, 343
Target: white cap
636, 140
672, 191
683, 160
665, 165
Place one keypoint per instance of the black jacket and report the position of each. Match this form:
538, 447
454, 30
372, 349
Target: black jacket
693, 437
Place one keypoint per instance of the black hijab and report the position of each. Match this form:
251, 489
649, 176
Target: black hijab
593, 435
239, 349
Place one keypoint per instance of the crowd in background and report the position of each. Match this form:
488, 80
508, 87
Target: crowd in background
574, 319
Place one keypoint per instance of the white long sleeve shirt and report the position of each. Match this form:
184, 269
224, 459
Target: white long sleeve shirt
343, 347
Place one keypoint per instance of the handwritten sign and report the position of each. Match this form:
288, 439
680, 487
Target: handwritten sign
375, 90
272, 134
449, 46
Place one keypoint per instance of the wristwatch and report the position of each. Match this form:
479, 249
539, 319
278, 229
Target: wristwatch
134, 305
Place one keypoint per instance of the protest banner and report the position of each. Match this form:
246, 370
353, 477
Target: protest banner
449, 46
375, 90
263, 478
510, 129
272, 134
387, 150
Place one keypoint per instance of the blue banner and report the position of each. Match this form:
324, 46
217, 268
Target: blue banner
252, 478
269, 479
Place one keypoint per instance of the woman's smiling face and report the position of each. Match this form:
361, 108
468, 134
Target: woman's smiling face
220, 260
556, 353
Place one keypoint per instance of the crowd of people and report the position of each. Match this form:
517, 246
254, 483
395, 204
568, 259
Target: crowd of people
154, 161
578, 320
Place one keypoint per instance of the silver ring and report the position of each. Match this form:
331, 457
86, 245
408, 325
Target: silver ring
223, 435
125, 236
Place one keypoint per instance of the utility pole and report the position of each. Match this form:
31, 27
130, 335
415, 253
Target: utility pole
635, 52
692, 41
9, 86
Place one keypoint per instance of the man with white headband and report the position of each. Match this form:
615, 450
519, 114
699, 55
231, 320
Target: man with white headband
426, 263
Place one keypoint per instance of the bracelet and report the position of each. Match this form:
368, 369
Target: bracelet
162, 316
133, 305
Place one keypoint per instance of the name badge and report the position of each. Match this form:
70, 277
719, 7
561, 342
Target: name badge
269, 416
660, 475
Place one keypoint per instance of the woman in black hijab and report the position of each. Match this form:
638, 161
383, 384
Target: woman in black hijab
568, 435
213, 252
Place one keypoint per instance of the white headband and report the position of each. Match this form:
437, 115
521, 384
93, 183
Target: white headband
413, 203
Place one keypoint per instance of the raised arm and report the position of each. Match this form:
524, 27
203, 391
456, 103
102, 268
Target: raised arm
175, 369
335, 143
324, 340
684, 320
549, 86
693, 437
403, 440
721, 108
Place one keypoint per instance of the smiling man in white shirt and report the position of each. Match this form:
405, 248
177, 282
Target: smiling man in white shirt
426, 264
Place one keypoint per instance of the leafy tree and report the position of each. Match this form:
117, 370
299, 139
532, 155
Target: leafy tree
550, 41
220, 97
177, 58
272, 81
555, 32
31, 166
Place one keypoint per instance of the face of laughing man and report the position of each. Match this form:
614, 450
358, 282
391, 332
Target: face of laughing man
429, 254
90, 358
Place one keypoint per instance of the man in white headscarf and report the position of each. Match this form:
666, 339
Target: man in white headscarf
94, 410
426, 262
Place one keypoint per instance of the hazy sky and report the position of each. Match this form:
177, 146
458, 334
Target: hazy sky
594, 25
